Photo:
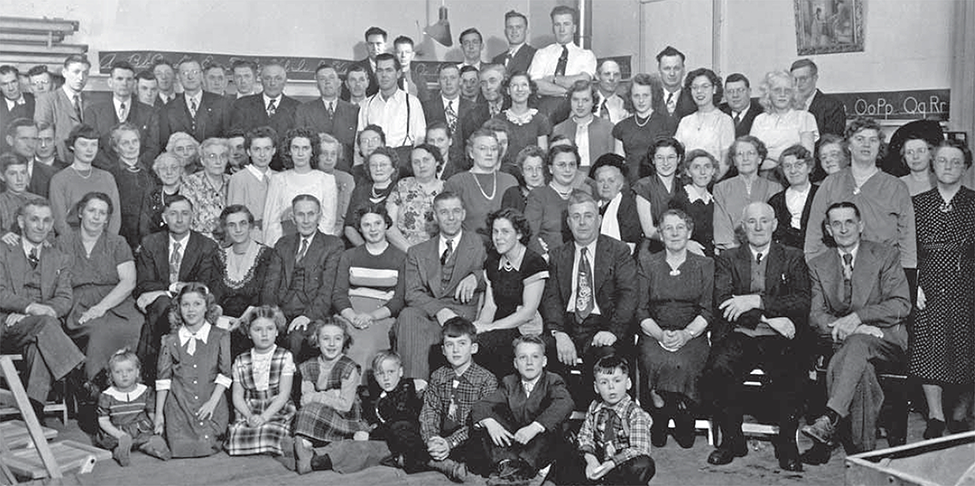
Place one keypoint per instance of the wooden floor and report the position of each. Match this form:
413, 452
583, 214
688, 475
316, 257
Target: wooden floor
675, 466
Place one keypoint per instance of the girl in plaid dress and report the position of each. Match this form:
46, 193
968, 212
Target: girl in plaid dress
262, 388
330, 410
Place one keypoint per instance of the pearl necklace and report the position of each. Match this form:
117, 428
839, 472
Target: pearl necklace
494, 191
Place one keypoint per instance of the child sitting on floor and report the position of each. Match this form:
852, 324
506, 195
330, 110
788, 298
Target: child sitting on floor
125, 412
447, 402
262, 389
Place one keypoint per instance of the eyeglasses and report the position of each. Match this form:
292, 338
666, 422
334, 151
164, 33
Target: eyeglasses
949, 162
798, 165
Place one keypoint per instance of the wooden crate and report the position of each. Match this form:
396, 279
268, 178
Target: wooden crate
943, 461
15, 434
70, 455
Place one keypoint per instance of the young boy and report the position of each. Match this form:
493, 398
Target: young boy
13, 173
614, 441
521, 421
447, 402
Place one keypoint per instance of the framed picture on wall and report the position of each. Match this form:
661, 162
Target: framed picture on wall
829, 26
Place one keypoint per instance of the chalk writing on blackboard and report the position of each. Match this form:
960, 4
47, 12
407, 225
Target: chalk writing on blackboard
926, 104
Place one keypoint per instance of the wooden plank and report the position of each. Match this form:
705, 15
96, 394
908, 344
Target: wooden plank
37, 38
71, 455
15, 433
33, 426
60, 49
39, 25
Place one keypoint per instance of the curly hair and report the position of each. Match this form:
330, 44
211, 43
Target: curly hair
765, 88
649, 167
91, 196
377, 209
121, 356
176, 317
271, 312
751, 140
713, 78
433, 151
300, 132
517, 220
393, 157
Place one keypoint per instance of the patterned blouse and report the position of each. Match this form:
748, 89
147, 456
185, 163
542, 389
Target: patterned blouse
415, 216
208, 202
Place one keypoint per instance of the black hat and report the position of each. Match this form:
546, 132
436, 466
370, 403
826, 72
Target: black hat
610, 159
929, 130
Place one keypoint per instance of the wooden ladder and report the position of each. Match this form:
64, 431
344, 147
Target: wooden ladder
19, 397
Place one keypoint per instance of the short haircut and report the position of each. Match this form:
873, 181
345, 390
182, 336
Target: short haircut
562, 149
385, 56
76, 58
688, 221
565, 10
355, 68
805, 62
162, 61
861, 123
440, 125
609, 365
7, 69
468, 69
384, 356
371, 128
737, 77
389, 153
9, 159
517, 220
271, 312
94, 196
799, 152
447, 195
214, 65
432, 150
175, 198
492, 67
713, 78
966, 152
670, 51
513, 14
178, 137
37, 202
117, 130
690, 157
581, 197
377, 209
121, 356
214, 142
38, 70
371, 31
403, 40
235, 209
528, 339
144, 75
123, 65
469, 31
449, 65
480, 132
495, 126
17, 123
532, 86
306, 197
81, 131
581, 86
243, 63
162, 157
260, 132
525, 153
651, 167
236, 132
751, 140
459, 326
188, 60
843, 205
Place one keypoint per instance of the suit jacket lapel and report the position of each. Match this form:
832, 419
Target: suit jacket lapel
49, 270
864, 272
191, 255
601, 265
18, 266
565, 263
773, 268
430, 265
289, 249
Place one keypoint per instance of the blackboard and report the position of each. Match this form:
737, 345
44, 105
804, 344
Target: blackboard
924, 104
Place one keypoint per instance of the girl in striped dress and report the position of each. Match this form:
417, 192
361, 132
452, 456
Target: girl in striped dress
262, 389
125, 412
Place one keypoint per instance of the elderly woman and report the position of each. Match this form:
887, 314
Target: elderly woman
301, 148
369, 286
656, 186
707, 128
531, 166
546, 206
502, 132
187, 151
481, 187
694, 198
883, 200
616, 201
515, 277
133, 180
381, 181
526, 126
369, 139
332, 155
674, 310
781, 125
207, 189
732, 195
832, 156
169, 170
592, 134
942, 353
792, 205
916, 153
410, 205
103, 318
71, 184
648, 123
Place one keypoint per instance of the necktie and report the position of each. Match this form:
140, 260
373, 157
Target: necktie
451, 116
563, 60
609, 419
21, 101
174, 261
122, 112
847, 279
737, 118
507, 59
584, 287
528, 386
271, 109
758, 259
302, 250
671, 104
604, 110
32, 257
193, 107
77, 107
330, 109
446, 253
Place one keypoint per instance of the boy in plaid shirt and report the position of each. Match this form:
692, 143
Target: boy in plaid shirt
453, 390
614, 442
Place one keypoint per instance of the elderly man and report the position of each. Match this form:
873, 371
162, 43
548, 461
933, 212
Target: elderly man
146, 87
329, 114
165, 74
860, 302
492, 78
399, 113
245, 79
64, 108
609, 104
271, 108
558, 66
830, 113
35, 294
302, 279
199, 113
670, 66
123, 107
739, 103
16, 103
518, 58
444, 276
590, 296
763, 294
617, 203
471, 46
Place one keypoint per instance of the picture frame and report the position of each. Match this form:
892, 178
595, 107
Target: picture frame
829, 26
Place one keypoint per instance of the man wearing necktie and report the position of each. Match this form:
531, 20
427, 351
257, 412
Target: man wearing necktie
270, 108
122, 107
590, 297
860, 301
609, 104
739, 103
199, 113
410, 80
329, 114
556, 67
15, 103
64, 108
678, 101
519, 55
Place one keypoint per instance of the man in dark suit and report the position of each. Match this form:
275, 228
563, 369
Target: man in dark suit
740, 105
519, 55
860, 301
763, 290
199, 113
677, 100
301, 281
410, 80
165, 74
444, 276
272, 108
449, 106
375, 45
830, 113
146, 88
21, 137
590, 296
165, 261
617, 203
331, 115
245, 79
64, 108
521, 421
16, 104
35, 294
123, 107
492, 77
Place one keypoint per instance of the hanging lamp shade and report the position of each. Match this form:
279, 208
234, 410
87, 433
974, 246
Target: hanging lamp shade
440, 31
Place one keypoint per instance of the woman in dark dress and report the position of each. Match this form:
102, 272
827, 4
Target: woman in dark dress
656, 187
132, 178
943, 346
695, 199
792, 205
531, 174
648, 122
237, 273
516, 278
169, 172
674, 310
382, 173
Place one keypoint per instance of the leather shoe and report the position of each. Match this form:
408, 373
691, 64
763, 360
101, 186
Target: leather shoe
724, 455
684, 429
935, 429
790, 463
821, 430
816, 455
658, 431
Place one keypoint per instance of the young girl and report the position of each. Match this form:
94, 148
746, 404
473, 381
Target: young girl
125, 412
330, 409
262, 388
194, 372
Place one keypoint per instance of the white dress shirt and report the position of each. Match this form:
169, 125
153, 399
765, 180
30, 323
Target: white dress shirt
400, 116
547, 59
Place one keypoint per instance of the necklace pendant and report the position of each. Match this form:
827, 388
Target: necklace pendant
675, 272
